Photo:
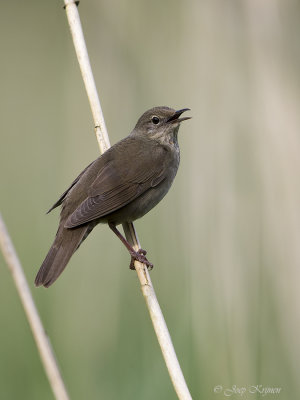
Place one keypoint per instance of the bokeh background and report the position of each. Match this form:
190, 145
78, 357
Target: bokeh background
225, 241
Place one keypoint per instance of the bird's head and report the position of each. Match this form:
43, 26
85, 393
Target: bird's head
160, 123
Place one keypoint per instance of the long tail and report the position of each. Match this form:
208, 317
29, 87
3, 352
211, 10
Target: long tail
65, 244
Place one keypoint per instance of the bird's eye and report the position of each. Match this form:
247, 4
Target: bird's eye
155, 120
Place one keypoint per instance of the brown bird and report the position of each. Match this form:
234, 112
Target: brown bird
121, 185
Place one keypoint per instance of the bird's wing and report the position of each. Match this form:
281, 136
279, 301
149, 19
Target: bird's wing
117, 185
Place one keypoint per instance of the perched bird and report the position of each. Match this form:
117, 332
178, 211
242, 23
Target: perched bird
121, 185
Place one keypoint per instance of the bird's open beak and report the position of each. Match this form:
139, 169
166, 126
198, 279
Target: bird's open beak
175, 117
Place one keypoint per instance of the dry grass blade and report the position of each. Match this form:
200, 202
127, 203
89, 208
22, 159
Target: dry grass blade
41, 339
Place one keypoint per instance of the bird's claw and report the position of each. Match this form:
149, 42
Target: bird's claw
140, 256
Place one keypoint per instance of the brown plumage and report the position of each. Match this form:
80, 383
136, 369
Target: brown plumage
121, 185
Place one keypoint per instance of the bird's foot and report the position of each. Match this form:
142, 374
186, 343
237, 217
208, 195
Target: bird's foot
140, 256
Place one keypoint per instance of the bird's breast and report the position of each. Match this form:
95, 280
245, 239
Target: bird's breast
151, 197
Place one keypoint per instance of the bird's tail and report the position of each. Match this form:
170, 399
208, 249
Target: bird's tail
65, 244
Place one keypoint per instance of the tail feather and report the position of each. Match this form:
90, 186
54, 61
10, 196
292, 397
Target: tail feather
65, 244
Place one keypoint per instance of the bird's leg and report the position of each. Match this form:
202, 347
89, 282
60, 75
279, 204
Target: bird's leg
135, 255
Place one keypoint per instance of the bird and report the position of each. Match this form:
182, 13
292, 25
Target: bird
121, 185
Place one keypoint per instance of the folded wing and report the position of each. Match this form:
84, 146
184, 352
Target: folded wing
117, 185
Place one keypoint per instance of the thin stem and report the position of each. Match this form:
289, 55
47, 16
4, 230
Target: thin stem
87, 74
156, 315
40, 337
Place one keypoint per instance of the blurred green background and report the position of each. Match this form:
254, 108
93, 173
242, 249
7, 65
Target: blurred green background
225, 240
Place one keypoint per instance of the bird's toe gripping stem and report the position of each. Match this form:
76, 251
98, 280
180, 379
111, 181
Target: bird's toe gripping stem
140, 256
